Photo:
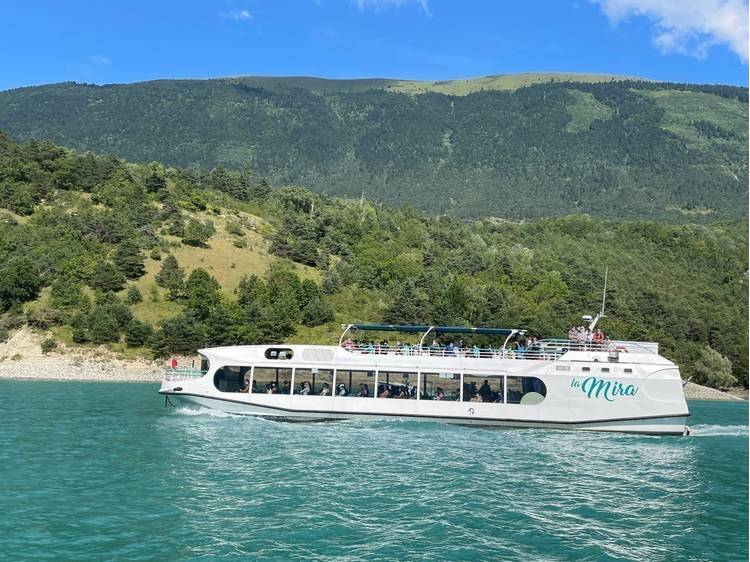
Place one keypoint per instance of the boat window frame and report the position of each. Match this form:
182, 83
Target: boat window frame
277, 369
399, 371
288, 353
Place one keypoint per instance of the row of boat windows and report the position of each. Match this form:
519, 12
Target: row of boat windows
584, 370
404, 385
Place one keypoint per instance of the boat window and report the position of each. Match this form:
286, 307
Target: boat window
356, 383
397, 384
585, 369
279, 353
204, 364
483, 388
313, 382
628, 370
526, 390
605, 369
440, 386
271, 380
232, 379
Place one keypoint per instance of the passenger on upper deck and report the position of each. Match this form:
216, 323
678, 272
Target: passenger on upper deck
598, 337
435, 348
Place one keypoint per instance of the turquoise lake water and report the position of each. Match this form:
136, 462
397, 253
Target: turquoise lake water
103, 471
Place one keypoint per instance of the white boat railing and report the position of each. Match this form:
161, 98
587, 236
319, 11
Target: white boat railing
182, 373
544, 350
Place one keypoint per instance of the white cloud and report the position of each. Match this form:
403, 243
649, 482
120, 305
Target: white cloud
689, 27
100, 59
380, 5
237, 15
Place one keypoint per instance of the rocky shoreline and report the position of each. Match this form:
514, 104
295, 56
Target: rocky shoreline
21, 358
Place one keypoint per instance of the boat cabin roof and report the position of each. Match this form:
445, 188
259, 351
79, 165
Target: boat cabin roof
409, 328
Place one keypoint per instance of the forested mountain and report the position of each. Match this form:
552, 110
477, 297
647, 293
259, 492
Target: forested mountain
148, 259
617, 148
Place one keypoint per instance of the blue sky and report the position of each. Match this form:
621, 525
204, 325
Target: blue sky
105, 41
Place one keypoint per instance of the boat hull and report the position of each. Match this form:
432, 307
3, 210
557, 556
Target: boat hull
651, 425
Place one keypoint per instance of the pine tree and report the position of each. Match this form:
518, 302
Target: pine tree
171, 276
202, 293
410, 306
317, 312
129, 259
155, 182
137, 333
134, 295
106, 277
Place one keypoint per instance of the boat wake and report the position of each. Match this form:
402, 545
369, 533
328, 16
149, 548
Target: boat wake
203, 411
708, 430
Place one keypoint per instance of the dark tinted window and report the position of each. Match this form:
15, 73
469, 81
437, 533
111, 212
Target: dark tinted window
231, 379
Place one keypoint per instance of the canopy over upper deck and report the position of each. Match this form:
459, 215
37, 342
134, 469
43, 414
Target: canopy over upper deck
425, 329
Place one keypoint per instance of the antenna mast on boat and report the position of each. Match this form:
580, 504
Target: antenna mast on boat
604, 300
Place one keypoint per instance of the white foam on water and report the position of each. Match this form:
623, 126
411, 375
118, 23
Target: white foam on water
708, 430
203, 411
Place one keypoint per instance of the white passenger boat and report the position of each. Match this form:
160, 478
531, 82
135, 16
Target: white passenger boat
558, 384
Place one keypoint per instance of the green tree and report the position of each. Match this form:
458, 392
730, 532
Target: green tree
317, 312
201, 293
134, 295
308, 292
129, 259
181, 334
20, 281
66, 293
137, 333
261, 190
155, 182
221, 325
410, 306
251, 290
713, 369
102, 325
106, 277
171, 276
197, 233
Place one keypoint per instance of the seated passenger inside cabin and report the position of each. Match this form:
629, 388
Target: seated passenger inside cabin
439, 394
364, 391
305, 388
287, 387
341, 390
402, 392
383, 391
325, 390
245, 386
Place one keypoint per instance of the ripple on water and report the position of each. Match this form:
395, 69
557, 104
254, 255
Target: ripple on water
116, 476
